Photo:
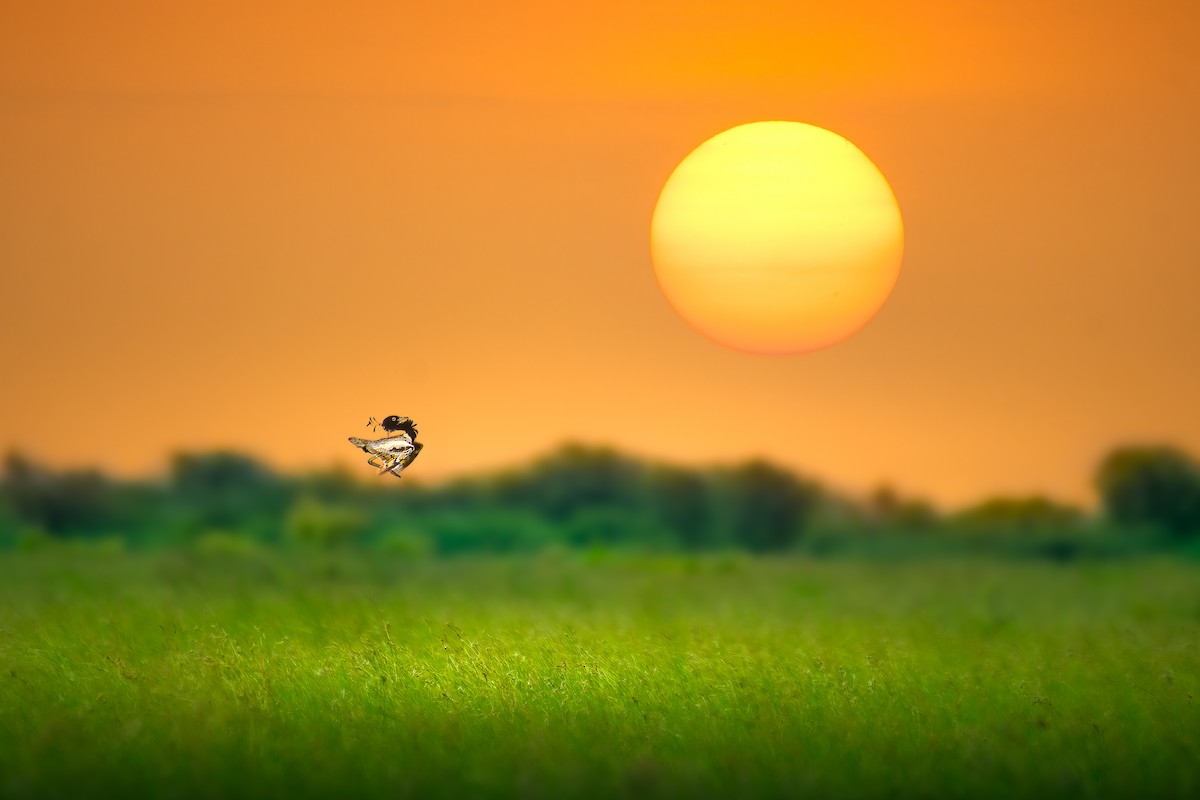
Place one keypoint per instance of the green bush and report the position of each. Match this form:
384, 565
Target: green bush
223, 543
313, 523
405, 544
489, 531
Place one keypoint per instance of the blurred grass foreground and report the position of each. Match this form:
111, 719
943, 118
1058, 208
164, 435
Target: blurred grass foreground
593, 626
331, 675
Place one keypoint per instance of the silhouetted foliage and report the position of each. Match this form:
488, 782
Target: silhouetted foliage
1158, 487
767, 507
573, 478
887, 508
1020, 515
683, 505
77, 501
224, 490
579, 496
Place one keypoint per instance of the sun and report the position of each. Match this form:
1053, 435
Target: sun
777, 237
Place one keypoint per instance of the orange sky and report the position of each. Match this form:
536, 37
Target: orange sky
256, 224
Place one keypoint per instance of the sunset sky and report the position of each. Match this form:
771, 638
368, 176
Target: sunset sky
253, 225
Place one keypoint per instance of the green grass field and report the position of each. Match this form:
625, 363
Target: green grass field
176, 676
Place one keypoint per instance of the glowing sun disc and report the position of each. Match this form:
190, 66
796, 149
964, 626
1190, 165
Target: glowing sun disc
776, 237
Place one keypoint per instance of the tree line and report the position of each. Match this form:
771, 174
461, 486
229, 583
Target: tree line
579, 497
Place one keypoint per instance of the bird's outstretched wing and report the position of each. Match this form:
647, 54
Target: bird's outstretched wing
388, 446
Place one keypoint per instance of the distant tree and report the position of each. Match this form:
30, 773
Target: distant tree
470, 494
1157, 487
1020, 515
227, 490
883, 502
598, 526
60, 503
217, 473
767, 507
573, 478
887, 508
333, 485
681, 502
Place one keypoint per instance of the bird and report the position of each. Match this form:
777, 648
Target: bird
397, 450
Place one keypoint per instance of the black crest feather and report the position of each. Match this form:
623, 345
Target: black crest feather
393, 423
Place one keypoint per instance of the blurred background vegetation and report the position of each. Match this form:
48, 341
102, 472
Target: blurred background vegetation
589, 498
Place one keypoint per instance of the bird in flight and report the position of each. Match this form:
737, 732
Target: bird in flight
394, 452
